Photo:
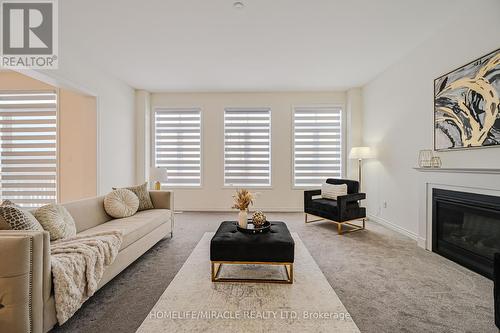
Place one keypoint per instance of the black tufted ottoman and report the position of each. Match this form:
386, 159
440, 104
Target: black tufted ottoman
230, 246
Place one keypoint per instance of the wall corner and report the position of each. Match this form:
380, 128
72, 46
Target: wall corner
143, 134
354, 125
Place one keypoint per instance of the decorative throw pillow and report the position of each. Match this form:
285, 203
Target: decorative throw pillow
17, 218
121, 203
9, 203
3, 224
330, 191
143, 194
57, 221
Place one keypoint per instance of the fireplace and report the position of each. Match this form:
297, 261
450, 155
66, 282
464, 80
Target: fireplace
466, 228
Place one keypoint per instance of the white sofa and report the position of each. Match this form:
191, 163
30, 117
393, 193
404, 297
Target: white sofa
26, 295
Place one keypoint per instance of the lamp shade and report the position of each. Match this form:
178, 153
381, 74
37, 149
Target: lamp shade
158, 174
360, 153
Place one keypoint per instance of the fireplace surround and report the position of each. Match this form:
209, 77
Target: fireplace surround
466, 228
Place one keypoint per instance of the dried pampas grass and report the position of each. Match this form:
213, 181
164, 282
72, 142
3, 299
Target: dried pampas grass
243, 199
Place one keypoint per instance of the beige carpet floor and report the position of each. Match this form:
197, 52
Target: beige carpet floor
383, 279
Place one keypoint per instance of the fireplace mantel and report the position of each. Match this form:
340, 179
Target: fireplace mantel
460, 170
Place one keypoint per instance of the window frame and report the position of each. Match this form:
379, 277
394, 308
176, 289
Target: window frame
247, 108
153, 144
343, 140
57, 184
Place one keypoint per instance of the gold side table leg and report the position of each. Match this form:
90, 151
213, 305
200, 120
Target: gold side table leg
215, 271
216, 268
339, 228
289, 273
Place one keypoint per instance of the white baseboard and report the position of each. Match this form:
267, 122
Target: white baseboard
422, 242
393, 226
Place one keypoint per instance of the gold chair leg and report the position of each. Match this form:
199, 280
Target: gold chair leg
309, 221
340, 230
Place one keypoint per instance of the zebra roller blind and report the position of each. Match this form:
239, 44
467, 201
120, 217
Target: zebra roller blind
317, 144
247, 147
28, 156
178, 145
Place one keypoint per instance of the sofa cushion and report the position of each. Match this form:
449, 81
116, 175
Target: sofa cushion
134, 227
352, 185
18, 218
324, 205
56, 220
330, 191
88, 213
4, 225
142, 193
121, 203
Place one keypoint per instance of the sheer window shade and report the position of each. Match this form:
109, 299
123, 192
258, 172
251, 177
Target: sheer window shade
247, 147
28, 160
178, 145
317, 144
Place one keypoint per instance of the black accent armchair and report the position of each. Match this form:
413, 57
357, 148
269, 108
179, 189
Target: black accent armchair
344, 210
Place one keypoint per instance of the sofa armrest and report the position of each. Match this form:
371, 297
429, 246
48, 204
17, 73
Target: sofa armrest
162, 199
343, 200
351, 197
25, 280
308, 195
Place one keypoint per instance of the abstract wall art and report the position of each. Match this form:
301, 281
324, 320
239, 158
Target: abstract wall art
466, 105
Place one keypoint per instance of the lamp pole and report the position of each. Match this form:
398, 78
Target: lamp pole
359, 173
360, 153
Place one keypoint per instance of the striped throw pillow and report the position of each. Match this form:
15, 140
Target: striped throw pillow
330, 191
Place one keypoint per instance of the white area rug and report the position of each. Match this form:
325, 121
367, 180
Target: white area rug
193, 303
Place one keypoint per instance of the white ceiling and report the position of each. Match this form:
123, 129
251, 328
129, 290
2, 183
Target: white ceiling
270, 45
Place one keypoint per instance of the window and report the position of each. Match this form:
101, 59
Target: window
28, 157
247, 147
317, 144
177, 145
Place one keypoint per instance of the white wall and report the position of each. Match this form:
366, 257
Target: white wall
143, 139
354, 138
212, 195
398, 113
116, 119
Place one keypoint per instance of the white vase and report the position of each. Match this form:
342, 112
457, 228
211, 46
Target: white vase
242, 219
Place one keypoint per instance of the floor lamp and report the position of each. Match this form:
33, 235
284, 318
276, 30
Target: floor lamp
360, 153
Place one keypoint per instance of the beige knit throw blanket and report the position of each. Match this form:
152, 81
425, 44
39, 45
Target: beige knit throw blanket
77, 267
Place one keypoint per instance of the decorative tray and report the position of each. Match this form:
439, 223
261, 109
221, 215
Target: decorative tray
252, 229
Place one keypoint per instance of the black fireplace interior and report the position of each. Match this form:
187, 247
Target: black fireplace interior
466, 228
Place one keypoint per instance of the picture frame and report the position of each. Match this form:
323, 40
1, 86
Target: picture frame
466, 105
